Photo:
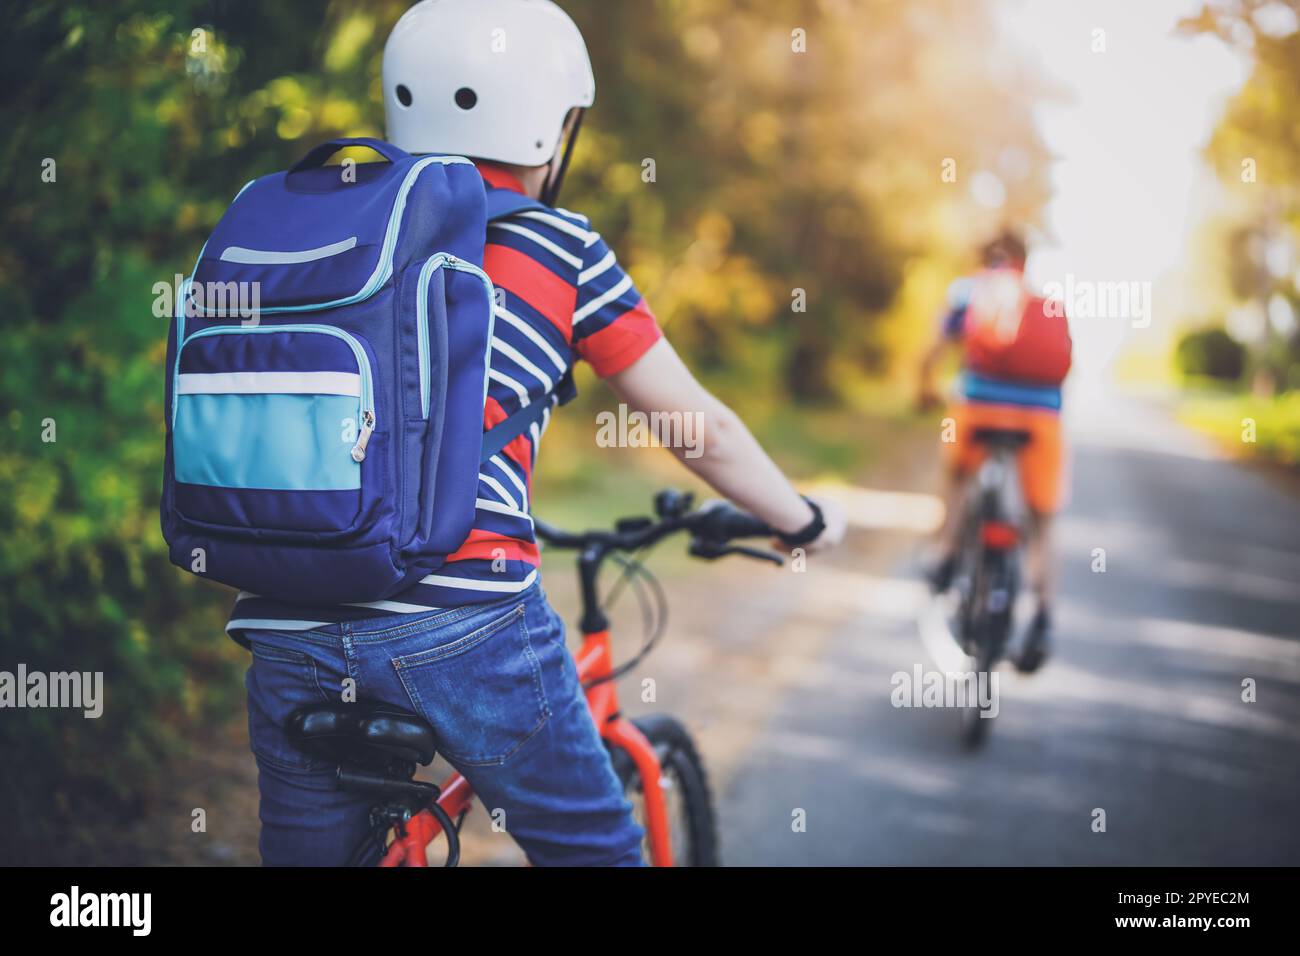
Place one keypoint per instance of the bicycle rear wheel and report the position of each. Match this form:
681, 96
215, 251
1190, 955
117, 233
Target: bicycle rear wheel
691, 820
974, 725
993, 598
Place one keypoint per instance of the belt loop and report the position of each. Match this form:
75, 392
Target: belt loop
350, 655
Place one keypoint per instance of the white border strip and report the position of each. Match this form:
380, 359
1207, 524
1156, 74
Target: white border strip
472, 584
265, 383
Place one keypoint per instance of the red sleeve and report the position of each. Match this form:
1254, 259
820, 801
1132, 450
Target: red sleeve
619, 344
612, 325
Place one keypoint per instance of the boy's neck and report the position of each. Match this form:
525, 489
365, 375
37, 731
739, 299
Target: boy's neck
528, 180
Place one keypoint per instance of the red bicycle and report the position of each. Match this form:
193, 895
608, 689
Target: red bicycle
377, 747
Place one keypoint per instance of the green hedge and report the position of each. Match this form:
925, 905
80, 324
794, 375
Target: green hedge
1274, 423
1211, 353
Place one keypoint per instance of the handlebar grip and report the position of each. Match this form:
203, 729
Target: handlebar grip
725, 522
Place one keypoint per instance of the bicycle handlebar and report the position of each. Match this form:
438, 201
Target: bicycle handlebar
712, 529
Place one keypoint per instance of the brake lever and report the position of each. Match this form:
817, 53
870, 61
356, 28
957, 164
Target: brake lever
711, 552
761, 554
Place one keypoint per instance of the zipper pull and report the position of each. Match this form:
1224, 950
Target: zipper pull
367, 427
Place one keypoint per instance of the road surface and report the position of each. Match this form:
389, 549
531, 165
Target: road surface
1140, 713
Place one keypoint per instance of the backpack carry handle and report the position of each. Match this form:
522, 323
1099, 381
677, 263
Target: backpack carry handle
318, 155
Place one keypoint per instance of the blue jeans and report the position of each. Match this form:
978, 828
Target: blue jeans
500, 690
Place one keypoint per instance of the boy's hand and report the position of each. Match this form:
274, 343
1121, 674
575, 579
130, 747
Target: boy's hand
832, 534
927, 398
836, 525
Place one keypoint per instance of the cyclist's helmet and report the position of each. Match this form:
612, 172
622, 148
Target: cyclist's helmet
488, 79
1007, 248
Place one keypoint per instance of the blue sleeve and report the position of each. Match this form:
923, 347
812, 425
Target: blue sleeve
955, 314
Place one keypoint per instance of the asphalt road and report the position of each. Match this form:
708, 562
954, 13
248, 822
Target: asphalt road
1139, 714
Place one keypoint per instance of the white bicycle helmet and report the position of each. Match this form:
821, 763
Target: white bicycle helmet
489, 79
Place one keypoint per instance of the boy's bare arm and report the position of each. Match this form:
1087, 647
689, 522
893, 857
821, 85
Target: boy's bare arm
729, 458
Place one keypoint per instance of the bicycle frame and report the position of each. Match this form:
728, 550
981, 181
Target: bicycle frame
991, 517
993, 495
994, 471
594, 661
711, 529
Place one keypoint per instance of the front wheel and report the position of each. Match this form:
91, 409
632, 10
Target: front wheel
691, 821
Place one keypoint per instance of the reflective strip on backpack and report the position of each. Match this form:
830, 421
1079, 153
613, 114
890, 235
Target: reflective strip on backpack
261, 257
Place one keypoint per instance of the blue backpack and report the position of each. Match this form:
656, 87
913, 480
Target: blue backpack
326, 379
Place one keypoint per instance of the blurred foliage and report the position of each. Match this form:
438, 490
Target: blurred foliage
1275, 421
817, 171
131, 125
1255, 149
1212, 353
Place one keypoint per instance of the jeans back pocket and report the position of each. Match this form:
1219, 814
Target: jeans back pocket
279, 681
482, 692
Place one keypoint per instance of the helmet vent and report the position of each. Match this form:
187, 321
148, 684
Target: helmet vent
466, 98
403, 95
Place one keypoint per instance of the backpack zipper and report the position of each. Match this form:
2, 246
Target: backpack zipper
367, 429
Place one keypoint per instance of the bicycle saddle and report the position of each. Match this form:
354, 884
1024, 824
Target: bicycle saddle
365, 734
1004, 437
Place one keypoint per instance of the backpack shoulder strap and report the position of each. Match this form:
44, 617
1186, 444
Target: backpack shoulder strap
500, 204
506, 202
507, 430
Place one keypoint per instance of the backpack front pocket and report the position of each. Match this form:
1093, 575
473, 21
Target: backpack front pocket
430, 332
272, 430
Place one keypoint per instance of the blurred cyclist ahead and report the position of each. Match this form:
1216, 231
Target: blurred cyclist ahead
1015, 355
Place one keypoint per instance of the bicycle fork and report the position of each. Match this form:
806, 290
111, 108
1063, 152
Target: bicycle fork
620, 732
623, 733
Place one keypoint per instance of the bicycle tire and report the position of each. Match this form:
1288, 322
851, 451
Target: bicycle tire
974, 729
679, 759
991, 630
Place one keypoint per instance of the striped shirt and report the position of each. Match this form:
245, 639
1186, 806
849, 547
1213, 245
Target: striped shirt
565, 298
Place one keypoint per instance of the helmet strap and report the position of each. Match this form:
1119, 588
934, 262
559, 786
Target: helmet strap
551, 191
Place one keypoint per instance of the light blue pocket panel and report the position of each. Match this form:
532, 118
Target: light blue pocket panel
286, 442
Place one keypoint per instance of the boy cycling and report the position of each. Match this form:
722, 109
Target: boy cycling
476, 649
981, 307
